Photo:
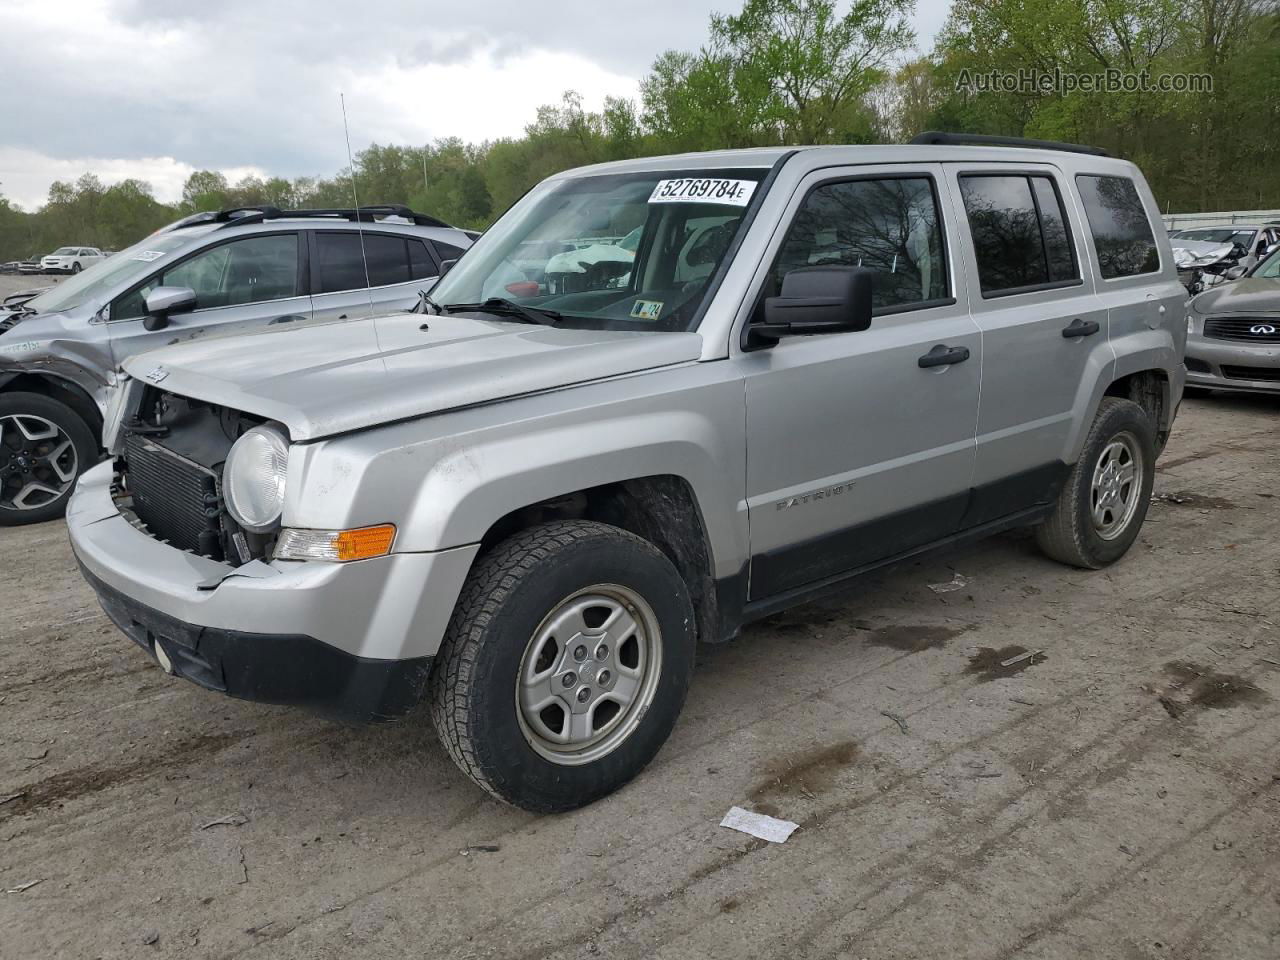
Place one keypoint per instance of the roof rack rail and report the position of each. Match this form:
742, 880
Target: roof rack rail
939, 138
230, 215
366, 214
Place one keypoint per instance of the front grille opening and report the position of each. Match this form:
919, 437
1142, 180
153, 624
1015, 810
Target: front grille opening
1258, 374
1243, 329
169, 477
177, 500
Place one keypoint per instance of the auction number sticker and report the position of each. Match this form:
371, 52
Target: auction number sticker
736, 193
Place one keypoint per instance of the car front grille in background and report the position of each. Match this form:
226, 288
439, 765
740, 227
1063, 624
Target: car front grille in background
178, 501
1260, 374
1245, 329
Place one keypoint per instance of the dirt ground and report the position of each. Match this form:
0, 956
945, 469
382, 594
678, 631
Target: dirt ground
1116, 795
12, 283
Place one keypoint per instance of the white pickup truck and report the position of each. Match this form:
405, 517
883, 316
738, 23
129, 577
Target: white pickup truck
71, 259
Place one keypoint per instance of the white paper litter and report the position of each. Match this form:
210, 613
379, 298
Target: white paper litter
958, 582
758, 825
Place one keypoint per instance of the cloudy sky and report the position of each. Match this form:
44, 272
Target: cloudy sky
158, 88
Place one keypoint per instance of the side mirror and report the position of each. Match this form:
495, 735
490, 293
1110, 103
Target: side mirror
1234, 273
1271, 249
816, 300
163, 301
446, 266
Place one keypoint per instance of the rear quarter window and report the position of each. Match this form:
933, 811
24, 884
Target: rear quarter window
1121, 231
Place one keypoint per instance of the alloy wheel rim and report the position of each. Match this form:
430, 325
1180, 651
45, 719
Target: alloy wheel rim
1117, 486
588, 674
38, 462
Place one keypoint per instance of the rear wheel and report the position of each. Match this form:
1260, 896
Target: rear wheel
1104, 502
565, 665
44, 447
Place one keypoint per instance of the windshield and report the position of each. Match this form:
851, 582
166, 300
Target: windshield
1218, 235
92, 285
65, 252
632, 251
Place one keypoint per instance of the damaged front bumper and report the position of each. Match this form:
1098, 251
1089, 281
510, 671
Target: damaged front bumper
353, 639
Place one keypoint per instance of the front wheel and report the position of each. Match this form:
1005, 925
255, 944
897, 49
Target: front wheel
565, 665
44, 447
75, 268
1104, 502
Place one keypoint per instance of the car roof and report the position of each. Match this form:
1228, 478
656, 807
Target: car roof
398, 225
766, 157
1221, 226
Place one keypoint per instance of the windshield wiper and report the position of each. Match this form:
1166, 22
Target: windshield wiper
424, 301
502, 307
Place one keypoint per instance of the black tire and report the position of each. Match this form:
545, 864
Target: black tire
1069, 535
75, 268
508, 596
75, 429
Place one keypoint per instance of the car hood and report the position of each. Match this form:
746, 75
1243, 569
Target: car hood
1248, 295
1204, 252
324, 379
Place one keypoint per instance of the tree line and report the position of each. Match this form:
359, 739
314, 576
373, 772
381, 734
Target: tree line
782, 72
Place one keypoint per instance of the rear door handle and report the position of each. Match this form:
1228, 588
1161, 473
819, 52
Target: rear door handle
1080, 328
288, 318
942, 356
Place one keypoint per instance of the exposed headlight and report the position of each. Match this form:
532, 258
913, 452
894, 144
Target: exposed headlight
253, 478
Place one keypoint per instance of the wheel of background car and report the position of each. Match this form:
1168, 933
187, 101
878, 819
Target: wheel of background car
1104, 501
565, 665
44, 447
75, 268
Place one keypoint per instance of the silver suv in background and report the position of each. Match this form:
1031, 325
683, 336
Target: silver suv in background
528, 505
211, 274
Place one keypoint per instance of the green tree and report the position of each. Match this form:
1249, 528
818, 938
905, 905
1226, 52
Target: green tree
205, 190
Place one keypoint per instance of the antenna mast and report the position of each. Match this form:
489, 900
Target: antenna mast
355, 197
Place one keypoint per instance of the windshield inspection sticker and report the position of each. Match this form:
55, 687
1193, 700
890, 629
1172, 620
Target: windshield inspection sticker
734, 193
146, 256
646, 309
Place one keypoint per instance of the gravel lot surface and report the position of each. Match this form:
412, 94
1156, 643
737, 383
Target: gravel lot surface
9, 283
1117, 795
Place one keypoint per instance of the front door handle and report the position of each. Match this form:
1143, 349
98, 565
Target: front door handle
288, 318
1080, 328
942, 356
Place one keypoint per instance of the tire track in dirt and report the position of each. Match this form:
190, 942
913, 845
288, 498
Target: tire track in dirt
86, 781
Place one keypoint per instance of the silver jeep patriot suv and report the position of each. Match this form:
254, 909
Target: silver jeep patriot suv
526, 502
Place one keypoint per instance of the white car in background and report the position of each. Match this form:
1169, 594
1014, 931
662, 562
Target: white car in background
71, 259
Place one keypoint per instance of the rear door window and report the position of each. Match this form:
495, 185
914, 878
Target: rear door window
341, 258
1020, 236
1118, 221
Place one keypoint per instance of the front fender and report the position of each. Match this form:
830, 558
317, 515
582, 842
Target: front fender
445, 480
